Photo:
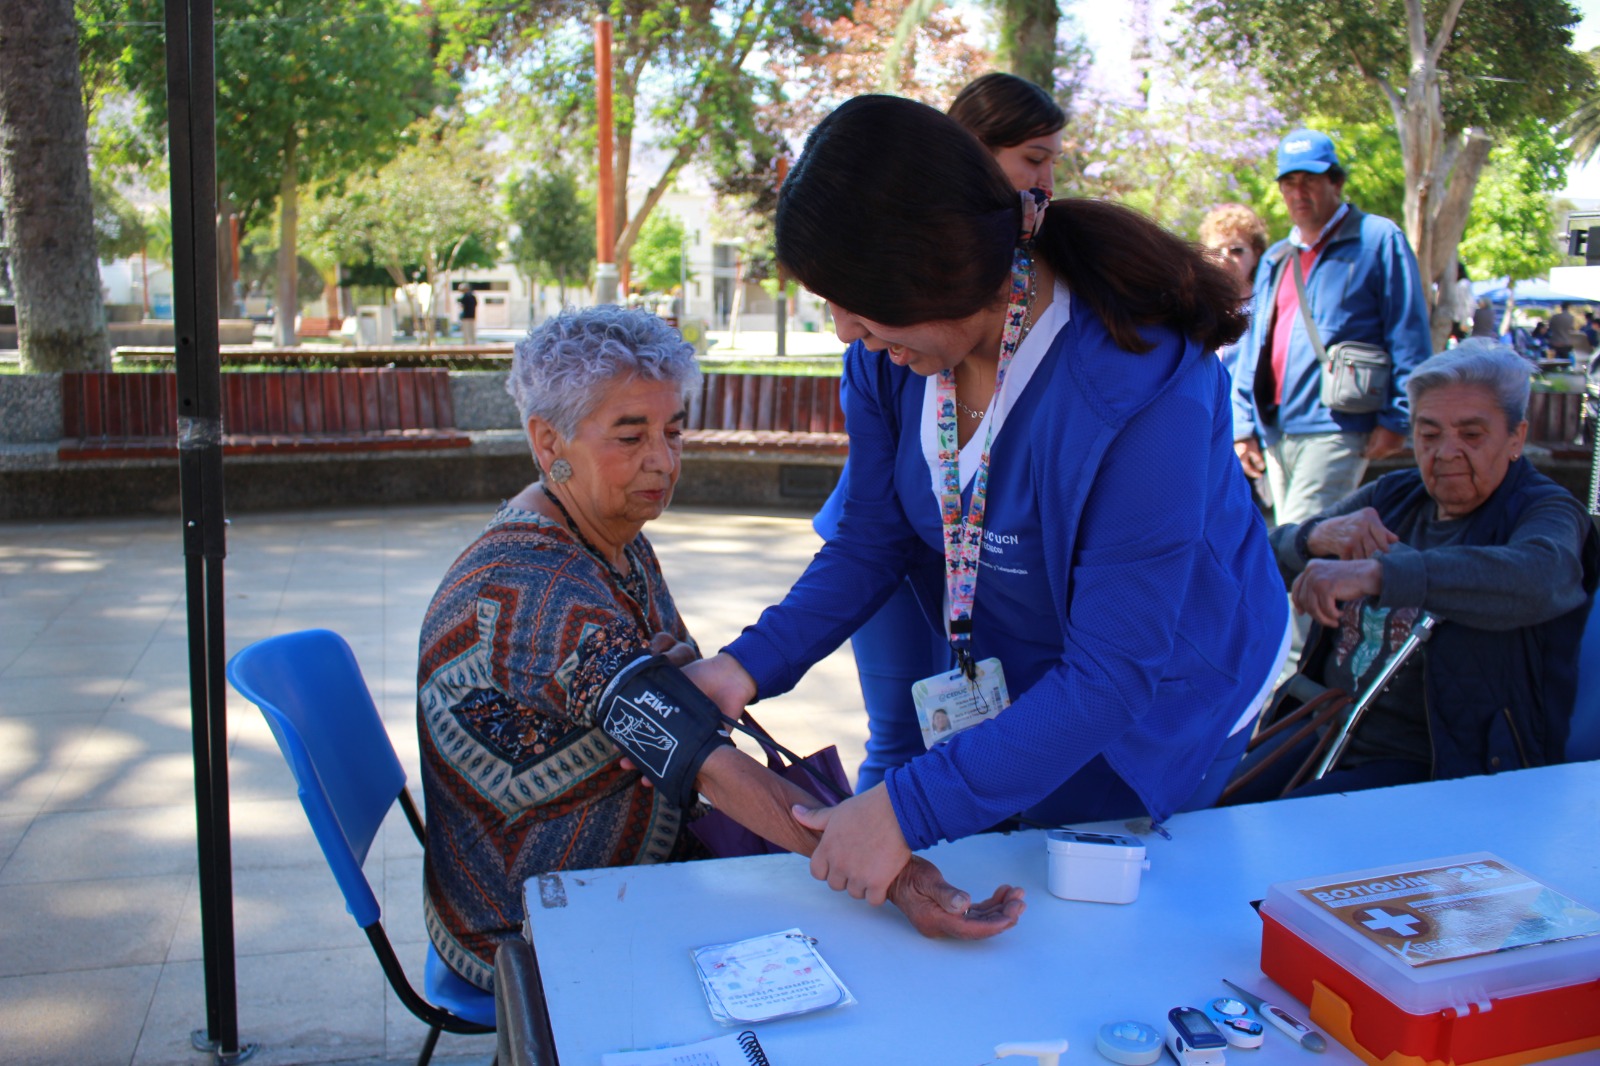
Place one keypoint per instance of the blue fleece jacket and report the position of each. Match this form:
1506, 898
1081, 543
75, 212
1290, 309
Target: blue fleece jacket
1364, 287
1126, 583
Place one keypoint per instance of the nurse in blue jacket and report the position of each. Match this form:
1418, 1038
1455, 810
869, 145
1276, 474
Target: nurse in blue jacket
1034, 398
1021, 126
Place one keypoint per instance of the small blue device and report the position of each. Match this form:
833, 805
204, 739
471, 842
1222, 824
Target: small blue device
1194, 1039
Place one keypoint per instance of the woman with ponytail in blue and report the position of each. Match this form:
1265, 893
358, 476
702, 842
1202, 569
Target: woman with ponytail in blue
1033, 399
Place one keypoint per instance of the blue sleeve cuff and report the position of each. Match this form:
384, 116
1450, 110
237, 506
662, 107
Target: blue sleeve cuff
1405, 578
763, 662
911, 808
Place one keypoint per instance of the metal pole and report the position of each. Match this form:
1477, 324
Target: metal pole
781, 310
191, 122
605, 213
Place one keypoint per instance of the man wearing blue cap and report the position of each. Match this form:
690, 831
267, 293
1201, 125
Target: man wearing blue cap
1360, 284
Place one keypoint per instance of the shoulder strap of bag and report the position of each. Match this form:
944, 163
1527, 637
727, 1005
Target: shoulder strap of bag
1305, 310
748, 725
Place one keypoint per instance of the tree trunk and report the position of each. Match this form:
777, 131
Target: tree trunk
629, 233
283, 333
44, 181
1441, 168
738, 302
1449, 225
430, 271
622, 154
1028, 40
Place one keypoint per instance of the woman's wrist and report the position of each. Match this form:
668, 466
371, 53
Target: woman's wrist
1302, 538
725, 681
738, 678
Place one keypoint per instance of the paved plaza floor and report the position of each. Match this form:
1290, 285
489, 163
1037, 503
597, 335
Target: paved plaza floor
100, 959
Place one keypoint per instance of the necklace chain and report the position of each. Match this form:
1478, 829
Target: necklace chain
1027, 326
632, 584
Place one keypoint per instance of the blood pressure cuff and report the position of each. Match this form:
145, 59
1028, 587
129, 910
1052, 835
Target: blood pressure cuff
664, 724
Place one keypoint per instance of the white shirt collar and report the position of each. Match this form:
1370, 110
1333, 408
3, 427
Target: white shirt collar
1030, 354
1338, 217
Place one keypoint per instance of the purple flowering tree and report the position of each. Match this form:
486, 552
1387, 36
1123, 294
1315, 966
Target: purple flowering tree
1182, 140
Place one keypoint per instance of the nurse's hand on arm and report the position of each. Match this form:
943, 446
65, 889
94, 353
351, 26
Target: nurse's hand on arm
762, 802
862, 849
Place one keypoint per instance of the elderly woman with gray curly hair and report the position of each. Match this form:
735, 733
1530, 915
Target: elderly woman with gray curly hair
1504, 557
556, 732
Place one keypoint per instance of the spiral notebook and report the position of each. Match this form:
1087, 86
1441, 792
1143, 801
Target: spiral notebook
742, 1049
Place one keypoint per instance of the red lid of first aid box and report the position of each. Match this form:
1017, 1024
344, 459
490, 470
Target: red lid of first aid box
1466, 959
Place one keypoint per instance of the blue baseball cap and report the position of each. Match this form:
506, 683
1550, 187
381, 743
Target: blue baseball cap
1306, 150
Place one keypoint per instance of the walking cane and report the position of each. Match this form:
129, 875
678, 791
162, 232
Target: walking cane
1420, 632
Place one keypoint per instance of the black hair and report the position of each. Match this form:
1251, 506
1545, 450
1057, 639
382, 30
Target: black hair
1003, 110
897, 214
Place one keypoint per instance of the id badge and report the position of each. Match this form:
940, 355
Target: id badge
947, 703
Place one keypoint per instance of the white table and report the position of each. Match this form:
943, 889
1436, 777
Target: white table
614, 956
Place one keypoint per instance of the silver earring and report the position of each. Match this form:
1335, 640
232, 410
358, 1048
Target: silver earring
560, 472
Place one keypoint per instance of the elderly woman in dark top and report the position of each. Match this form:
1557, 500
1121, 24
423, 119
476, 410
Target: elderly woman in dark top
537, 624
1503, 556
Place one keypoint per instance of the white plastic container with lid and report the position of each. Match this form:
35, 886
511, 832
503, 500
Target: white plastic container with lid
1094, 867
1448, 935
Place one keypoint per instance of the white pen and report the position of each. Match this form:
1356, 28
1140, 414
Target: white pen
1302, 1033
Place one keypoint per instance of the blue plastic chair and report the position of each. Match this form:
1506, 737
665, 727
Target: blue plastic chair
310, 688
1583, 742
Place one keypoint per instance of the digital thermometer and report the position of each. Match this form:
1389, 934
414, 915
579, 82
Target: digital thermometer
1298, 1030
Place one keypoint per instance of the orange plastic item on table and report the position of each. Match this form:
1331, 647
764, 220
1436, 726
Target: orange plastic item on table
1450, 962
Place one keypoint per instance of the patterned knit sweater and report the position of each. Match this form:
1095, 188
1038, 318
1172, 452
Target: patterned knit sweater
517, 778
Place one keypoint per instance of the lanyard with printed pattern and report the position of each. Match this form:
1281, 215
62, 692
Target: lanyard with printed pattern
963, 535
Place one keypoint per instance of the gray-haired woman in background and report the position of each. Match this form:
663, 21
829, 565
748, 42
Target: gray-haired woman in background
1503, 556
557, 596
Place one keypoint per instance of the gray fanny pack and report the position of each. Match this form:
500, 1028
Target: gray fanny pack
1355, 376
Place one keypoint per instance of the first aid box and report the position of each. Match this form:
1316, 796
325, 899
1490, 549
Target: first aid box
1449, 962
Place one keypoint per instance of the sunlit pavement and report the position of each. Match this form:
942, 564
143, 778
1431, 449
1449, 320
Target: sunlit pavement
100, 957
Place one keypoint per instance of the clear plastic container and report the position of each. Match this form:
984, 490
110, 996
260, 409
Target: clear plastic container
1450, 934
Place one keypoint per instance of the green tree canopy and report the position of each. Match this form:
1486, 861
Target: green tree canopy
427, 206
119, 228
1029, 41
553, 228
658, 256
1512, 229
307, 92
1583, 125
686, 77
